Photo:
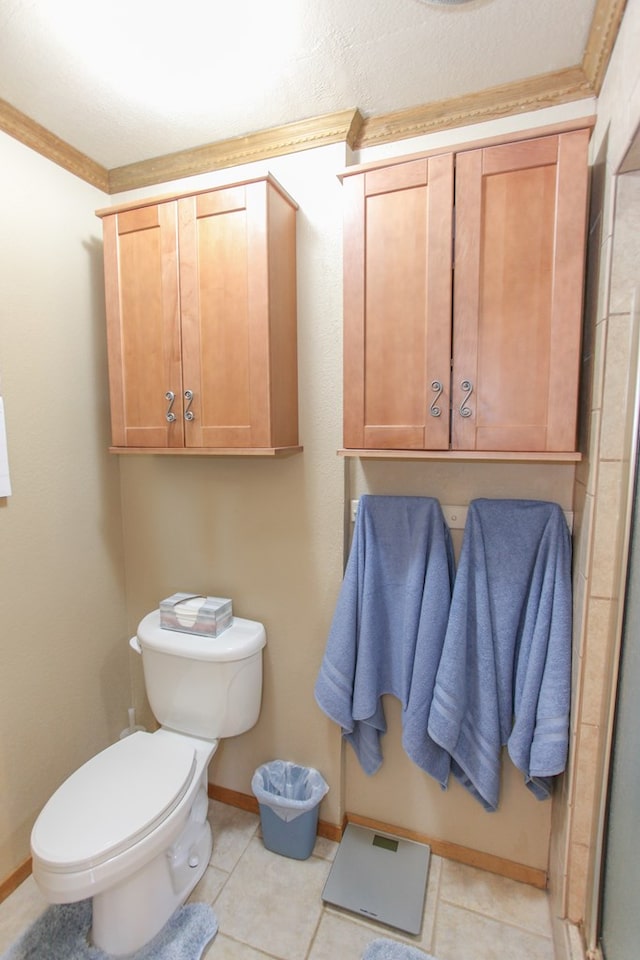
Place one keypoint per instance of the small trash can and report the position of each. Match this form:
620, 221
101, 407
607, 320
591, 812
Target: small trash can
289, 797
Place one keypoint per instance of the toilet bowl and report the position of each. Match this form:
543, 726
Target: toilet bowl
129, 828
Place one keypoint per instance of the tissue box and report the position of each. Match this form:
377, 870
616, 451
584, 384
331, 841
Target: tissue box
192, 613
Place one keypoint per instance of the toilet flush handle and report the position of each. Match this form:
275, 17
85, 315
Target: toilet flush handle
134, 643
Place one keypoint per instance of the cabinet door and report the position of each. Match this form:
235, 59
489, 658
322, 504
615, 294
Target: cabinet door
143, 327
397, 305
225, 318
519, 257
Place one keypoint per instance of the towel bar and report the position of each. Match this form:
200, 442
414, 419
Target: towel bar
456, 516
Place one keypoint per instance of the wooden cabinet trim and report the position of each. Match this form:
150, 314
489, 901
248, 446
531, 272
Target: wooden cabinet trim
582, 123
403, 176
353, 293
489, 456
224, 200
144, 218
163, 198
466, 301
568, 288
519, 155
212, 451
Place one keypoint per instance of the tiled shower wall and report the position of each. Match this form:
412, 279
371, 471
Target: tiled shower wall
602, 511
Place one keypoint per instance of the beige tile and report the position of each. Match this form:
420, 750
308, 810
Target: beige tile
210, 885
223, 948
425, 941
587, 468
577, 885
580, 600
577, 882
579, 504
558, 844
606, 254
599, 361
589, 472
576, 945
326, 849
506, 901
616, 385
19, 911
626, 243
273, 903
232, 830
462, 935
270, 907
596, 658
568, 779
584, 533
606, 529
340, 937
587, 782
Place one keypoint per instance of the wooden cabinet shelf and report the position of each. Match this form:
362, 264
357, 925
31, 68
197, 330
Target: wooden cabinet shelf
201, 322
491, 456
213, 451
463, 282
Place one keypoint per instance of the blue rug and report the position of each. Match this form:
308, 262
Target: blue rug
384, 949
61, 934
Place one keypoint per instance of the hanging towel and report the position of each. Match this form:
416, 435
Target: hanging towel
388, 628
505, 672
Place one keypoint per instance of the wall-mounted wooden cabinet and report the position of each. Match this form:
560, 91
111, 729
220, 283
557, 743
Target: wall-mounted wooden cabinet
201, 322
469, 344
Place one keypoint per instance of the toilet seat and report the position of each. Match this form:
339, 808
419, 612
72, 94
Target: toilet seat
113, 801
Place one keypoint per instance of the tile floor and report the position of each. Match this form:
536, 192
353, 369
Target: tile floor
270, 906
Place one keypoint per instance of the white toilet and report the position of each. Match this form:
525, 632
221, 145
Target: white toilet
130, 828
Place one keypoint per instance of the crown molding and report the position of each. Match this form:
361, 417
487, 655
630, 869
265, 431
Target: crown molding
290, 138
546, 90
563, 86
21, 127
606, 22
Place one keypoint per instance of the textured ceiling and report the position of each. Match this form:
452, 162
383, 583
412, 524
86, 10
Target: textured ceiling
135, 79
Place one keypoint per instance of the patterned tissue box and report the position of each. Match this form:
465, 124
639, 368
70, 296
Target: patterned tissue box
193, 613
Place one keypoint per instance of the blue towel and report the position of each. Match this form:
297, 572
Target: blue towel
388, 628
505, 672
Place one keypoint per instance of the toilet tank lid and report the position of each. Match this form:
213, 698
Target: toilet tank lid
242, 639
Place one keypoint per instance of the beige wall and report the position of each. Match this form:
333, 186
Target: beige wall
64, 686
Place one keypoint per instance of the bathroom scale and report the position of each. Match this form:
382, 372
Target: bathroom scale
380, 876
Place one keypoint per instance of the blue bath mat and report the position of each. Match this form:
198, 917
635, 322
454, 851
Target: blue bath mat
383, 949
61, 934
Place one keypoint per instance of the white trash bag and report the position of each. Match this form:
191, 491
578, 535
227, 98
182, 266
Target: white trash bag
288, 789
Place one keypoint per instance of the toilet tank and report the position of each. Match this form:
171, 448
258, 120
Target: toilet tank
208, 687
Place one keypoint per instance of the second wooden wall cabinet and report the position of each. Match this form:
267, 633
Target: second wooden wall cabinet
201, 321
477, 351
